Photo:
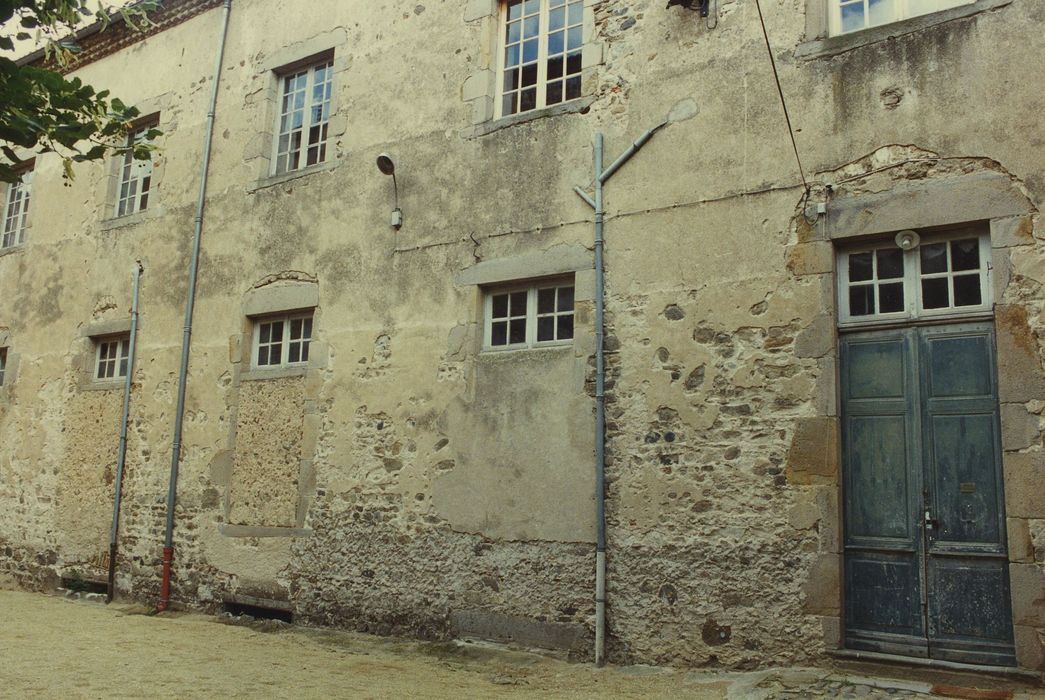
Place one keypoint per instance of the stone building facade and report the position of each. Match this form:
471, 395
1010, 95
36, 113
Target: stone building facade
392, 429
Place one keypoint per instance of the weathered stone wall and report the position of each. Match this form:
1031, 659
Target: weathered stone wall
407, 482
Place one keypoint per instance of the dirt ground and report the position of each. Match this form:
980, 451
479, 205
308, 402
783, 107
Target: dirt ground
55, 647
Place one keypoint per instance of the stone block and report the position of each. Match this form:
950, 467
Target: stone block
477, 9
1001, 274
516, 630
827, 501
592, 54
1028, 594
1019, 428
1024, 476
831, 626
1020, 376
817, 339
1012, 231
805, 513
1021, 548
815, 258
1029, 652
822, 590
477, 85
827, 386
813, 457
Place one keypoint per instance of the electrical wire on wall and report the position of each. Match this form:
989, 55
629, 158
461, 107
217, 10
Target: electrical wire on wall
780, 91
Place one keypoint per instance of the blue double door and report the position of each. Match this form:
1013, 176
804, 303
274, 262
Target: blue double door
925, 561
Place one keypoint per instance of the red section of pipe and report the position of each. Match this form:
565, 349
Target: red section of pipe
165, 582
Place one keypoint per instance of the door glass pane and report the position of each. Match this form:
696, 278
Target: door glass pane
967, 290
890, 297
934, 258
861, 300
934, 293
860, 267
965, 254
890, 263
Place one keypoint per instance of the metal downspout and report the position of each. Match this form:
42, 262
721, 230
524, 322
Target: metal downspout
190, 303
601, 176
121, 459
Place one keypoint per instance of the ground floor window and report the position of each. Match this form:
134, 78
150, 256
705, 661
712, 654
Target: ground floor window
112, 357
529, 315
282, 341
939, 274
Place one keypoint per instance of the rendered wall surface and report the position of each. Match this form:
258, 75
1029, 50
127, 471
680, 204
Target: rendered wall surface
406, 481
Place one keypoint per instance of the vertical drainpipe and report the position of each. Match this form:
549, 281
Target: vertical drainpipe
601, 176
121, 459
190, 303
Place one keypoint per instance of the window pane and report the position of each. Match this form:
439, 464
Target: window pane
565, 327
965, 254
263, 334
545, 301
123, 368
861, 300
517, 331
294, 352
530, 51
304, 350
531, 6
934, 293
263, 355
852, 17
554, 95
573, 88
574, 38
519, 303
529, 75
556, 43
277, 331
565, 298
573, 64
554, 68
557, 19
576, 12
513, 32
511, 55
890, 263
860, 268
514, 9
967, 290
890, 298
308, 328
295, 329
500, 305
509, 104
530, 25
499, 333
934, 258
881, 12
546, 328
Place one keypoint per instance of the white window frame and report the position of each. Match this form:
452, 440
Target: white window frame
912, 282
16, 210
285, 340
310, 119
531, 315
543, 40
118, 362
134, 178
902, 9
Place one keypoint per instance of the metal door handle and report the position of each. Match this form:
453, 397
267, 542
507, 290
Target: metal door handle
930, 521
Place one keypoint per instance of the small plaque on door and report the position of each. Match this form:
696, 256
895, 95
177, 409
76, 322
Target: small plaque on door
967, 487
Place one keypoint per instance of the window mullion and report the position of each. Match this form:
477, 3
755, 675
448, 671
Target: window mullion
531, 314
544, 22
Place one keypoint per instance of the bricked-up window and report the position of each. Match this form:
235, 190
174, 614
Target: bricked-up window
541, 44
16, 210
942, 276
135, 176
282, 341
528, 316
854, 15
111, 357
304, 116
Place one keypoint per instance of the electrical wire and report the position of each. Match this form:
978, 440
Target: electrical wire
780, 90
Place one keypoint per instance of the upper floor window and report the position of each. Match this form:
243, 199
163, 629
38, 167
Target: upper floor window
3, 364
16, 210
854, 15
541, 57
528, 316
304, 116
942, 276
135, 176
282, 341
112, 357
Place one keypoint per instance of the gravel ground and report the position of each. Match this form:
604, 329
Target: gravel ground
56, 647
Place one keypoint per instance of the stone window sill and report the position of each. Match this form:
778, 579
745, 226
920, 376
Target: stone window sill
579, 105
255, 374
835, 45
12, 249
104, 384
130, 219
274, 180
251, 531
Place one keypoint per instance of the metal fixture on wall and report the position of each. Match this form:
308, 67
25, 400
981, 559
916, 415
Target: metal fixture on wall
908, 239
190, 304
386, 165
121, 459
701, 5
596, 203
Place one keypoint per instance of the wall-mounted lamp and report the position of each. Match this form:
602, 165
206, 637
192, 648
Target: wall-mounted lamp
908, 239
387, 166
